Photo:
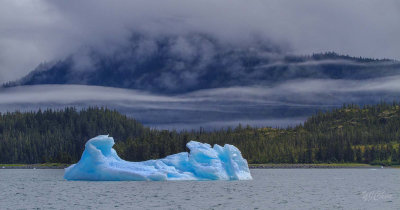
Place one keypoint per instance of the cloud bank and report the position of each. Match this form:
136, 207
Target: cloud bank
288, 103
32, 32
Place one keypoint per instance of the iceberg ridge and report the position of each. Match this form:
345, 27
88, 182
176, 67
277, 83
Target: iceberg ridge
100, 162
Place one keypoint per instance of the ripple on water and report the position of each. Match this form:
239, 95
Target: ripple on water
271, 188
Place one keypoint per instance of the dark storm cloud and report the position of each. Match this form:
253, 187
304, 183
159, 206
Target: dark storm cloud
35, 31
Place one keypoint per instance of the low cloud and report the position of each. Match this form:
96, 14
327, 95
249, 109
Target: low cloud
284, 104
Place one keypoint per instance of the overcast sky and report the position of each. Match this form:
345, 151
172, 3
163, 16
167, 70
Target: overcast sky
34, 31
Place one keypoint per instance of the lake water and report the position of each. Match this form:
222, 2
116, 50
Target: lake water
271, 188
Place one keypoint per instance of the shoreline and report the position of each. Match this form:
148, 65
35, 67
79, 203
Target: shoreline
34, 166
251, 166
319, 165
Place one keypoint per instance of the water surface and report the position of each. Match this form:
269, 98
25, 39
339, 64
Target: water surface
271, 188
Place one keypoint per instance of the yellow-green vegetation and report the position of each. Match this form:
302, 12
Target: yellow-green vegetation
12, 165
311, 165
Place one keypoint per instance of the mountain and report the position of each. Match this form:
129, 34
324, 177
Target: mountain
181, 64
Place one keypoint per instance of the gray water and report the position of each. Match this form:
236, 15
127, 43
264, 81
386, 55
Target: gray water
271, 188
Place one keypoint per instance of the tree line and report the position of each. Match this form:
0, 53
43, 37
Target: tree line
367, 134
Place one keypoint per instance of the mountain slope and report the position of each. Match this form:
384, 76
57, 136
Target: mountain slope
180, 64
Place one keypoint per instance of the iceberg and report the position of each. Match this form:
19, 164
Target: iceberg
100, 162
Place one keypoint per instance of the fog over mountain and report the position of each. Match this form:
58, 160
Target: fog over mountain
175, 64
286, 104
180, 64
32, 32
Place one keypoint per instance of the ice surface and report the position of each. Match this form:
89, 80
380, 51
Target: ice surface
100, 162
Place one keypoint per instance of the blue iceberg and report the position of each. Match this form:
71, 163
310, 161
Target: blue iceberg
100, 162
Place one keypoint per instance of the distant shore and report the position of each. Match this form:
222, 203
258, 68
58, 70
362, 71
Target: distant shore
251, 166
35, 166
319, 165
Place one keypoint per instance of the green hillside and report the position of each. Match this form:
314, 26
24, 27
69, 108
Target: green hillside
352, 134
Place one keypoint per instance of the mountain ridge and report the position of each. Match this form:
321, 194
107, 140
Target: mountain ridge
173, 65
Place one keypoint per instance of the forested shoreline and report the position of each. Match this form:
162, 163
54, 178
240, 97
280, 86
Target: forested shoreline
351, 134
